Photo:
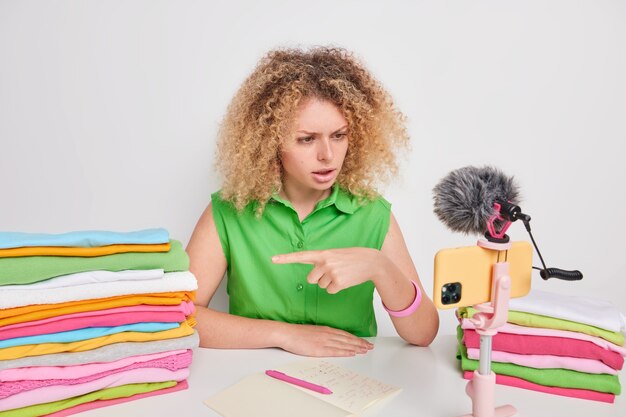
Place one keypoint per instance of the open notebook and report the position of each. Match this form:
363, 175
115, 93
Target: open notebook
259, 395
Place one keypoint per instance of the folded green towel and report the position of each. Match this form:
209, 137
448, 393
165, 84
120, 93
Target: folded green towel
30, 269
536, 320
553, 377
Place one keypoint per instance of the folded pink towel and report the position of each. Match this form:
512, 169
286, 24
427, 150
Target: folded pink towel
60, 392
171, 362
566, 392
590, 366
99, 318
546, 345
78, 371
541, 331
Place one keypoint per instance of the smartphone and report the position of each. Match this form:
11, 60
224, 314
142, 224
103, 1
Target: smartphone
463, 275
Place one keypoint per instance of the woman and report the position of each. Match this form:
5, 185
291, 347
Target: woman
298, 226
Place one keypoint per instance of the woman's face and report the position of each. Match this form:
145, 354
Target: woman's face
313, 156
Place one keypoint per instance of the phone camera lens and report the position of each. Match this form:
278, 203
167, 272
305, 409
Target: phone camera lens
451, 293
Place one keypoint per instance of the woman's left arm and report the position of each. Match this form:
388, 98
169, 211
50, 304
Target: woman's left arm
393, 283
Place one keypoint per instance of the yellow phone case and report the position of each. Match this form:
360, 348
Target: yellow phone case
471, 267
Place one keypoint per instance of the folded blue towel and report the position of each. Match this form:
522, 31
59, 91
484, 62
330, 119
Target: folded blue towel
86, 333
85, 239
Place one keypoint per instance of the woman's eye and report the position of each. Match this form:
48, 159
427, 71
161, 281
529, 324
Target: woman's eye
306, 139
340, 135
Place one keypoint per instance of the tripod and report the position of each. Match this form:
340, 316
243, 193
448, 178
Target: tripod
490, 316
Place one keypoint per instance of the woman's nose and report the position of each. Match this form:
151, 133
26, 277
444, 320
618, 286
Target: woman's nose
324, 151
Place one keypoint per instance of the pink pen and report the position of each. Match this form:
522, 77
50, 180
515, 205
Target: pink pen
298, 382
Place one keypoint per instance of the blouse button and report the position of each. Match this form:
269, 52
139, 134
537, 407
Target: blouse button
299, 287
300, 244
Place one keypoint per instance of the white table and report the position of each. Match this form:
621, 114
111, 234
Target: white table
430, 378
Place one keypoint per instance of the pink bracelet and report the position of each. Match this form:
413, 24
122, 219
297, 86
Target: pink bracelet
410, 309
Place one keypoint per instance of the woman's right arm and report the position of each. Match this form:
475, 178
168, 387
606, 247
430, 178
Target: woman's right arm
223, 330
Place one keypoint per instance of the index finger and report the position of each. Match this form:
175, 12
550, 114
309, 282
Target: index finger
304, 257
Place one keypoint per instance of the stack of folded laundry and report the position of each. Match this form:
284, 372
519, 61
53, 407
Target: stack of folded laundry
92, 318
553, 343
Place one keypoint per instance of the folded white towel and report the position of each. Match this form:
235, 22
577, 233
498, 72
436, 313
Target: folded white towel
89, 277
171, 282
586, 310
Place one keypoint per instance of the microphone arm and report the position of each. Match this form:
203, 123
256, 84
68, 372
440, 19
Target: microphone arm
508, 212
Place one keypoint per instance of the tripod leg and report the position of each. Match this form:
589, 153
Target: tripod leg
481, 389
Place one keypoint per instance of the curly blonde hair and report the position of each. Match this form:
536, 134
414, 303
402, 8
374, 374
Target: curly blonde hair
261, 116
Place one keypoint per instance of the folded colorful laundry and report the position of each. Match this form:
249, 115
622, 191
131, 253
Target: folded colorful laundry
563, 378
157, 388
540, 331
89, 277
99, 318
60, 392
84, 324
545, 345
579, 309
171, 281
83, 238
89, 319
32, 312
584, 394
79, 370
105, 353
545, 322
108, 396
17, 352
170, 362
79, 251
86, 333
32, 269
590, 366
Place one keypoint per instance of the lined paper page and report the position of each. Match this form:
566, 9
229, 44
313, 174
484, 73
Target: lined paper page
259, 395
352, 392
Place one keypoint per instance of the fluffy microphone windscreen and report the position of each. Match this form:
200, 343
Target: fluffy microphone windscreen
464, 198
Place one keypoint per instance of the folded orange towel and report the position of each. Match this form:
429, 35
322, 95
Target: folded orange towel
43, 311
81, 251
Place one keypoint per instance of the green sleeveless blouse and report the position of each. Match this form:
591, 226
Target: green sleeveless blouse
258, 288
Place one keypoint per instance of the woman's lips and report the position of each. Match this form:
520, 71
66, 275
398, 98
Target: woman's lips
323, 175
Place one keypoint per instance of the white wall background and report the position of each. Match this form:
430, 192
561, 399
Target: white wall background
108, 112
